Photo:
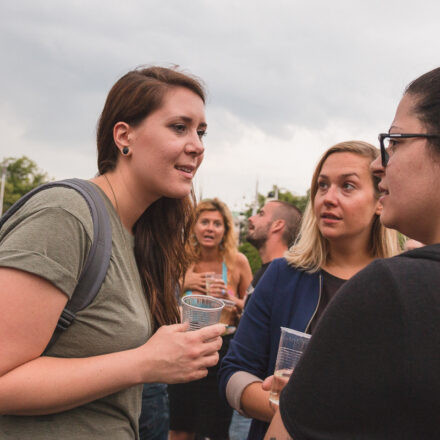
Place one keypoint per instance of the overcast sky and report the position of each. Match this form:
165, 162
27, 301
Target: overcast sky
285, 79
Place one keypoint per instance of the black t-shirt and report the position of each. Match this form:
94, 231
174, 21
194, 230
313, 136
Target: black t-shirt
372, 367
259, 273
330, 285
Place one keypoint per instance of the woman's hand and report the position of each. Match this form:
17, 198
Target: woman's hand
266, 385
195, 281
174, 355
217, 288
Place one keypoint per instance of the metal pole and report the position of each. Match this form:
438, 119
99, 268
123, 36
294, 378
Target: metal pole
2, 188
255, 206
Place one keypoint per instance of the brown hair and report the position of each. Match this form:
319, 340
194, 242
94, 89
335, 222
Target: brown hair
311, 250
162, 231
291, 214
426, 90
228, 247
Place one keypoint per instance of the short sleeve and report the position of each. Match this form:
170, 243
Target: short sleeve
48, 240
350, 375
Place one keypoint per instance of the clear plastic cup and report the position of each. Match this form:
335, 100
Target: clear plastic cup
201, 310
229, 315
209, 278
292, 345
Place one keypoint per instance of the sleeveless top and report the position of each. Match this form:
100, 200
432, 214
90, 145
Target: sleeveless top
224, 277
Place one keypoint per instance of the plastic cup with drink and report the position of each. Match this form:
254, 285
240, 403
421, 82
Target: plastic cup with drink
201, 310
214, 279
292, 345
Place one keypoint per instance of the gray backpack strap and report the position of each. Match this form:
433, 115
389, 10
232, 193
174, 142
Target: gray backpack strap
98, 259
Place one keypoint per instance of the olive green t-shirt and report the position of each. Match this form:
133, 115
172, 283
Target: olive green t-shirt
50, 237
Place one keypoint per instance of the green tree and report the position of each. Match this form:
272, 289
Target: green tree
252, 255
284, 195
249, 208
299, 201
22, 175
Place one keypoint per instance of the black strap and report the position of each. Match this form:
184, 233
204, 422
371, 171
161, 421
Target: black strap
98, 259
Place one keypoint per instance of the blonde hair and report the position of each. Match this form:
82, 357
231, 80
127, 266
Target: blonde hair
311, 249
228, 248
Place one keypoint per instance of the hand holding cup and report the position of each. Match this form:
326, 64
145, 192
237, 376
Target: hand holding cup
215, 286
292, 345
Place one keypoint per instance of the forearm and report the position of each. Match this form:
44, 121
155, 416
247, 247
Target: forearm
255, 402
49, 385
237, 301
277, 430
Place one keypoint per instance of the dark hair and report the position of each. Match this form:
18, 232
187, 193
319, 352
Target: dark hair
291, 214
162, 231
426, 89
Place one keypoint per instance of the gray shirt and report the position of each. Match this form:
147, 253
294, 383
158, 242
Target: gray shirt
50, 237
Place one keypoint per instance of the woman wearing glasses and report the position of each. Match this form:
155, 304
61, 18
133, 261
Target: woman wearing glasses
371, 368
340, 234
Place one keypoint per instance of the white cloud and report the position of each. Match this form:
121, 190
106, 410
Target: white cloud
286, 79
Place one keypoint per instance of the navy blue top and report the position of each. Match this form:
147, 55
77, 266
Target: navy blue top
284, 297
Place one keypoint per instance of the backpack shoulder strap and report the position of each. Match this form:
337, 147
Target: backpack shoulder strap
98, 259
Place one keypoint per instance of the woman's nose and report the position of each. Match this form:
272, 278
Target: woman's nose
195, 145
331, 195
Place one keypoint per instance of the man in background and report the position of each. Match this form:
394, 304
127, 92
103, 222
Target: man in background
272, 231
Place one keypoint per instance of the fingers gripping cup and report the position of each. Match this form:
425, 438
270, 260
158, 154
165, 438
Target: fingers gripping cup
210, 278
201, 310
292, 345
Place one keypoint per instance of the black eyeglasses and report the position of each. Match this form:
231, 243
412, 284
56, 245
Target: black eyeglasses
385, 138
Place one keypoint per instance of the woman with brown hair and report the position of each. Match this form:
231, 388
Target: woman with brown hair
88, 384
339, 235
196, 407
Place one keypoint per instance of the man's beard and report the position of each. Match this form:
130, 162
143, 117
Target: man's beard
258, 241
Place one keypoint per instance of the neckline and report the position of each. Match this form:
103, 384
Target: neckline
333, 276
129, 236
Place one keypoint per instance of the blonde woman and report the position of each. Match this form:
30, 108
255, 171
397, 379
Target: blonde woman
213, 246
340, 234
195, 408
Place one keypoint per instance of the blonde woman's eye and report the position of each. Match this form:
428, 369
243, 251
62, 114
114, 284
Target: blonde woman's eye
201, 133
348, 186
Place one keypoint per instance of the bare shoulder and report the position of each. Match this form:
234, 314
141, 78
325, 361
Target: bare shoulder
242, 260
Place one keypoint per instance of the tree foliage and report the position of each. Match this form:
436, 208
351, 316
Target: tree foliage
252, 255
22, 175
284, 195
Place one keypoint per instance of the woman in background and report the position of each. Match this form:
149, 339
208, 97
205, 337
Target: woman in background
196, 407
340, 234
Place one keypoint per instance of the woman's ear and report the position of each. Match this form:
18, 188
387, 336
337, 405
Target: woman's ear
121, 135
379, 207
